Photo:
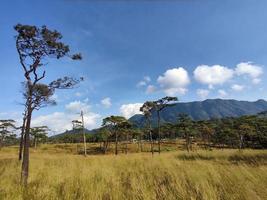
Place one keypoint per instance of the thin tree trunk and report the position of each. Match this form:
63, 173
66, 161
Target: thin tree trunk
158, 131
126, 143
1, 141
26, 152
84, 137
35, 142
22, 137
116, 143
106, 146
139, 143
187, 141
241, 142
151, 139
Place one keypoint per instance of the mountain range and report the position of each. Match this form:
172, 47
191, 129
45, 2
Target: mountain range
205, 110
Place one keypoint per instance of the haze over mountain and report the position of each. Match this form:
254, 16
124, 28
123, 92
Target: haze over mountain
204, 110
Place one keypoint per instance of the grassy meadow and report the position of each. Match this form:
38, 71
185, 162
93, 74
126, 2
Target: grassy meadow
58, 172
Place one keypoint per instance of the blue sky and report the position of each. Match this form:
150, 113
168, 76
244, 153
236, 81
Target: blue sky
139, 50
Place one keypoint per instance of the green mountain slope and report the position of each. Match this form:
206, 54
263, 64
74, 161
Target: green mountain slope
204, 110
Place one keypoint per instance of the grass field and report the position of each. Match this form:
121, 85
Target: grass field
58, 173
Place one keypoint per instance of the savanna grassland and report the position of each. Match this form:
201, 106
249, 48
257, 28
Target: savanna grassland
57, 172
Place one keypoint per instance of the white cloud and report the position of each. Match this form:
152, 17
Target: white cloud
213, 75
248, 68
174, 91
128, 110
150, 89
58, 122
174, 81
256, 81
143, 82
237, 87
251, 70
202, 93
77, 106
106, 102
222, 93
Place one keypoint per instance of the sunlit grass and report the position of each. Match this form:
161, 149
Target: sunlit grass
61, 174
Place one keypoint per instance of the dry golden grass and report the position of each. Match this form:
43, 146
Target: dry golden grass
56, 173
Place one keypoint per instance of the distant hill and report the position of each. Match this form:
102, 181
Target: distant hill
204, 110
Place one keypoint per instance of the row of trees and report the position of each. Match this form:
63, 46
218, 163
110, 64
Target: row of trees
242, 132
8, 134
245, 131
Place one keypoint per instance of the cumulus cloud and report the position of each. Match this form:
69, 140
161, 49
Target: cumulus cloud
222, 93
144, 81
250, 69
213, 75
106, 102
77, 106
237, 87
128, 110
202, 93
150, 89
58, 122
174, 81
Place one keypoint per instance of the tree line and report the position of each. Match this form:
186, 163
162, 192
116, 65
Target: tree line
241, 132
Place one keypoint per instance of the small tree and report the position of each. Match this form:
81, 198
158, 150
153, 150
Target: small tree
125, 127
34, 45
7, 126
103, 135
244, 128
159, 105
39, 134
206, 132
185, 125
114, 122
146, 109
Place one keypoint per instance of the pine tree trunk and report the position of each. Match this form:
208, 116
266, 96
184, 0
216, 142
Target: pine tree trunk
126, 143
1, 142
22, 138
158, 131
187, 142
151, 139
26, 152
116, 143
139, 143
35, 142
106, 147
241, 141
